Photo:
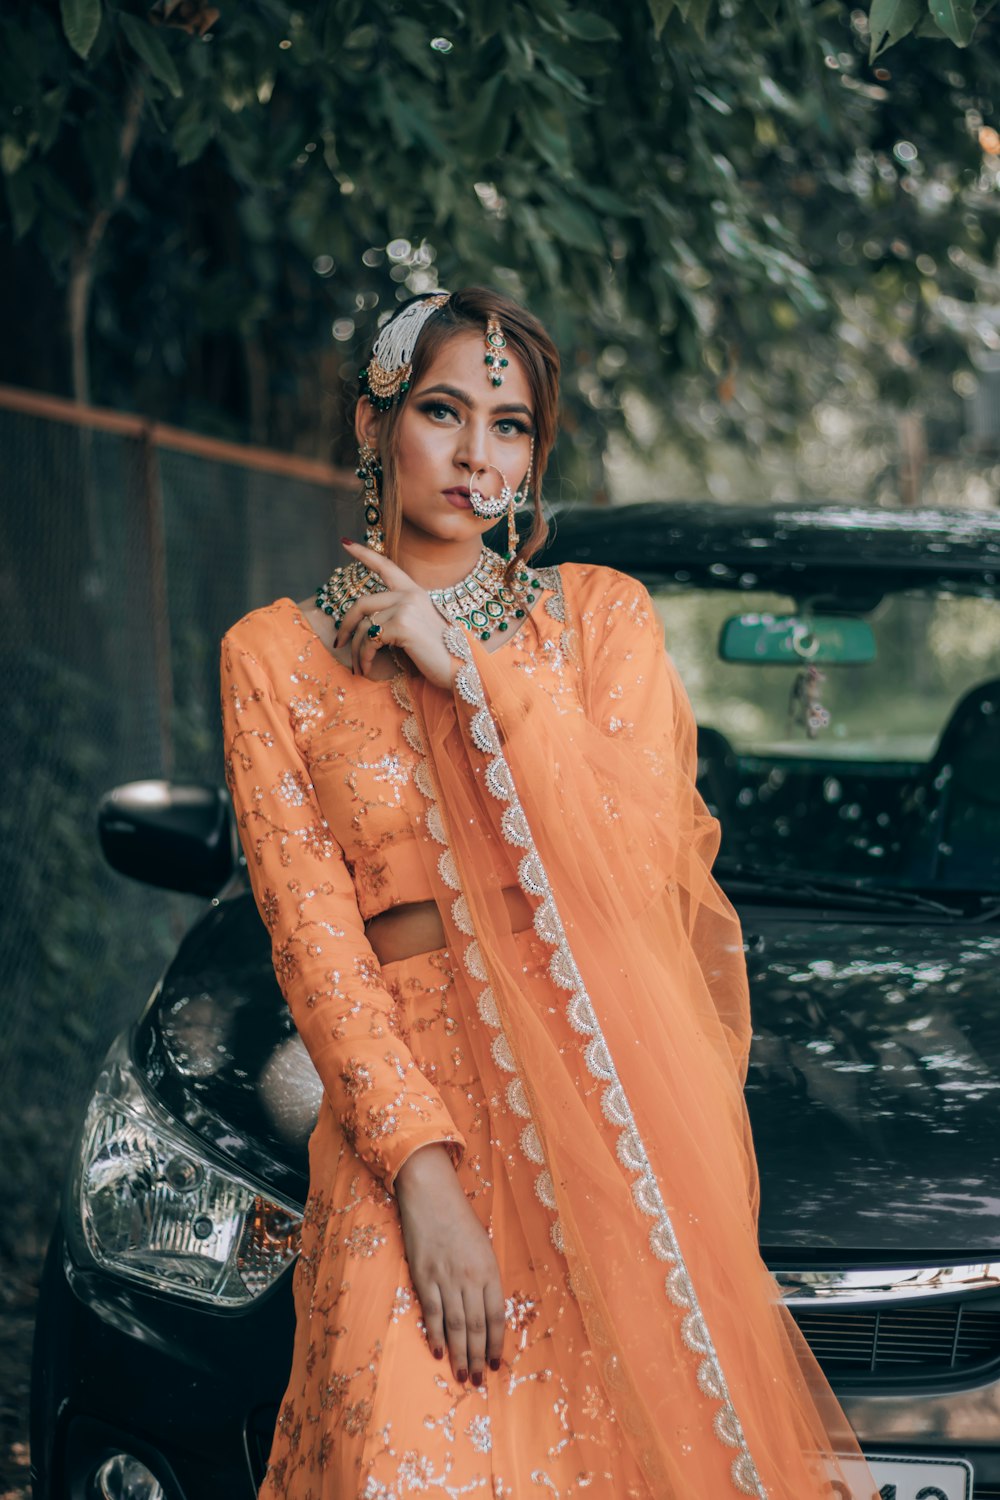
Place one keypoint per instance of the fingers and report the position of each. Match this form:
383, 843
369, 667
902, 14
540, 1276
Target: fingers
358, 639
387, 570
493, 1305
369, 649
433, 1311
475, 1333
454, 1332
371, 604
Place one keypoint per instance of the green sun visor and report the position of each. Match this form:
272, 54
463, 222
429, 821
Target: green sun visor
795, 639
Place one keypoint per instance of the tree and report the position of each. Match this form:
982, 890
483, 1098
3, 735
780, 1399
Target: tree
684, 191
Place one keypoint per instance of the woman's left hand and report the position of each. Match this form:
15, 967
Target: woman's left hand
407, 618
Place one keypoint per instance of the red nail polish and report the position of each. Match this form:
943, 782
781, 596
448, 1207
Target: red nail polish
494, 1364
477, 1377
346, 541
462, 1375
438, 1353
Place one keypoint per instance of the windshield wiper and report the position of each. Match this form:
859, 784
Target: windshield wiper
757, 878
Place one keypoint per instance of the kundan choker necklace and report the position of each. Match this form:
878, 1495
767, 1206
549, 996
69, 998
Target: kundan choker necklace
482, 601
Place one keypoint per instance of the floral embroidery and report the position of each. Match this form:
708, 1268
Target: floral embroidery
364, 1240
357, 1077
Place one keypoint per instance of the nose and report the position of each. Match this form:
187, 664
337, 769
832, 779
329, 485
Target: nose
472, 450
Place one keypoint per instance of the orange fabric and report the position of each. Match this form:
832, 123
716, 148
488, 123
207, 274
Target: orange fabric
591, 1088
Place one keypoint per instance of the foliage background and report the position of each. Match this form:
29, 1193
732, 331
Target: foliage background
730, 214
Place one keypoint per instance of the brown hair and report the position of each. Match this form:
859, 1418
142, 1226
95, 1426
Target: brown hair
529, 342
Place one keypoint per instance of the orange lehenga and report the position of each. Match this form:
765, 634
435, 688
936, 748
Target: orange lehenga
587, 1074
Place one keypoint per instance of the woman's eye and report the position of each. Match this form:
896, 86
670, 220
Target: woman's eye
509, 427
437, 410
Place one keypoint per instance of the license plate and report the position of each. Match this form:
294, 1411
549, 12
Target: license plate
920, 1478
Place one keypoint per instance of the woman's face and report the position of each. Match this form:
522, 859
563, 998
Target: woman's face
453, 423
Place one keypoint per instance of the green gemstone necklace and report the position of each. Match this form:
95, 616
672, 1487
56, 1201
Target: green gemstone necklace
482, 602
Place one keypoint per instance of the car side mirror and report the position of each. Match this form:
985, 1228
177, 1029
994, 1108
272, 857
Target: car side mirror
178, 836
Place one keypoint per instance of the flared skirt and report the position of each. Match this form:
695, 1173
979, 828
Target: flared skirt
368, 1413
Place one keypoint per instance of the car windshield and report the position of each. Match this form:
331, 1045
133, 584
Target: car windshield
897, 785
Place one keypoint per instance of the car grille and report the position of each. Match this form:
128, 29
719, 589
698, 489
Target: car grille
901, 1340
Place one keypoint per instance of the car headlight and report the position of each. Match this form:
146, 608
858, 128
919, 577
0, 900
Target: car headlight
148, 1203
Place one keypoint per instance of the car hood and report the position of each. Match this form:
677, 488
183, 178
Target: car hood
872, 1087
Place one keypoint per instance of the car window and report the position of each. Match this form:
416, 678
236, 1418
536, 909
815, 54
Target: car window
874, 794
931, 649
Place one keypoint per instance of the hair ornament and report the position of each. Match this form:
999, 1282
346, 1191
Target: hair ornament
495, 360
386, 377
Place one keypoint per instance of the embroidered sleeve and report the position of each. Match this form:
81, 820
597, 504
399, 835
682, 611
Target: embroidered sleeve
325, 967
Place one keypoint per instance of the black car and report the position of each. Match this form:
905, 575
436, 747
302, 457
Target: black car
845, 670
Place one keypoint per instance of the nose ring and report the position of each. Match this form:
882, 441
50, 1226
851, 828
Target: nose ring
490, 507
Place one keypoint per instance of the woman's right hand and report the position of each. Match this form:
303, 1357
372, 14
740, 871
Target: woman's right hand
408, 618
452, 1265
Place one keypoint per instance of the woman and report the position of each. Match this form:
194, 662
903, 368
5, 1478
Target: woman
465, 790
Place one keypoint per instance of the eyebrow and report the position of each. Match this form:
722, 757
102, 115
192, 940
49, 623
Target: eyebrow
467, 400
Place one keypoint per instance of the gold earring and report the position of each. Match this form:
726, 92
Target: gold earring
369, 471
517, 499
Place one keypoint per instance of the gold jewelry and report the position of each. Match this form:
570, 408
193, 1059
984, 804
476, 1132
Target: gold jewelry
369, 471
386, 377
490, 507
482, 602
516, 501
495, 362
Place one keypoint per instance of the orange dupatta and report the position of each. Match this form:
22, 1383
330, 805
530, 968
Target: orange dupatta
620, 1100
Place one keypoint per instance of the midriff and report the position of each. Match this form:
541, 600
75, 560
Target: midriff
416, 927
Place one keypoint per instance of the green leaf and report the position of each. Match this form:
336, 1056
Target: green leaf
409, 37
546, 256
152, 49
50, 112
890, 20
587, 27
660, 12
13, 154
697, 15
23, 203
768, 9
548, 137
574, 224
605, 200
565, 80
81, 21
488, 119
955, 19
192, 134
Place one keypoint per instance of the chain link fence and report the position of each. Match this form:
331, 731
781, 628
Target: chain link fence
126, 551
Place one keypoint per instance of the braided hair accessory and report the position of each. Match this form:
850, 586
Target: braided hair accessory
386, 377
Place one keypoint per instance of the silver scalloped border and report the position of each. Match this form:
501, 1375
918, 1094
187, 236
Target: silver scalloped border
486, 1004
615, 1106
